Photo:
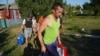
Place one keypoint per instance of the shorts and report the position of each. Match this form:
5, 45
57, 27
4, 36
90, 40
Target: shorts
52, 49
28, 32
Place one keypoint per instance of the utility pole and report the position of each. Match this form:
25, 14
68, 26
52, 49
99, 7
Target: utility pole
7, 8
7, 15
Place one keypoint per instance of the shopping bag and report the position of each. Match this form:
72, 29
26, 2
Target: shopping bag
62, 51
20, 39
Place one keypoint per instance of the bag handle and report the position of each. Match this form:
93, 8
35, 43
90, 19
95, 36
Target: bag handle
60, 45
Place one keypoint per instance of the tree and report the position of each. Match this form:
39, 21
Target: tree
88, 9
96, 6
70, 10
93, 6
25, 8
78, 7
38, 7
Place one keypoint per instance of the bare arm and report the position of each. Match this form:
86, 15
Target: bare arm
59, 39
40, 37
22, 26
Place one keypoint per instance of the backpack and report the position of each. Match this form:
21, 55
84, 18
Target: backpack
21, 39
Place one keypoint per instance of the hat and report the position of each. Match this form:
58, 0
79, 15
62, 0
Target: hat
30, 15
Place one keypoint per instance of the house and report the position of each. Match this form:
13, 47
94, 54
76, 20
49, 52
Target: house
10, 16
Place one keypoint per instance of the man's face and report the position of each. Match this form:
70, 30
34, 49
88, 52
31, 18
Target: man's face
58, 11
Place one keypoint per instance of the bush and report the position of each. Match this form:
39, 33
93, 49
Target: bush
75, 27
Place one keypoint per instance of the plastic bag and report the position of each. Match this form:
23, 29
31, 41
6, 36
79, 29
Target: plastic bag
62, 51
20, 39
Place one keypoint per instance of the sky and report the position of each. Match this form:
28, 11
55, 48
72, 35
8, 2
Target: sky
4, 1
72, 2
76, 2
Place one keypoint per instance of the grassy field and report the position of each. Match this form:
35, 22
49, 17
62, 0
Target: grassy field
82, 46
75, 24
77, 46
8, 42
9, 46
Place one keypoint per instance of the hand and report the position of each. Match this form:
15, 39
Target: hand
43, 48
60, 44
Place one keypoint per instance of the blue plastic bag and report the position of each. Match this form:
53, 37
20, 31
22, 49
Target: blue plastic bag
20, 39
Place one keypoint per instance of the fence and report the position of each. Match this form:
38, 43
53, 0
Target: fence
9, 22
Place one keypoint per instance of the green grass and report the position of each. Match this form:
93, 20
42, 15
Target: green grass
9, 45
8, 42
77, 46
89, 23
82, 46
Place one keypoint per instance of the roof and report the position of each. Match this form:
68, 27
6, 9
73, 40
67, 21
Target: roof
12, 6
1, 7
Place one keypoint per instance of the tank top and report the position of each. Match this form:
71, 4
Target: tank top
51, 32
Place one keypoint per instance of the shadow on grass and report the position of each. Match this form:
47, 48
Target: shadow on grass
3, 35
95, 32
4, 42
30, 51
82, 46
6, 52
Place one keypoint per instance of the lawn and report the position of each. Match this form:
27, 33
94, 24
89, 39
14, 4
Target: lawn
9, 46
82, 46
89, 23
77, 46
8, 42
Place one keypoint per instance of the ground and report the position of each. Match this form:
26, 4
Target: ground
77, 46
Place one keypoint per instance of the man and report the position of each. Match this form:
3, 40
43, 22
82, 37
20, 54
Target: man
51, 26
27, 25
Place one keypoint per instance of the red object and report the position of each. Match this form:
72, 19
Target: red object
41, 20
63, 50
4, 14
11, 15
60, 45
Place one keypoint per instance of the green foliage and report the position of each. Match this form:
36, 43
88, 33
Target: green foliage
9, 47
70, 11
78, 7
38, 7
93, 7
79, 22
75, 27
88, 9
